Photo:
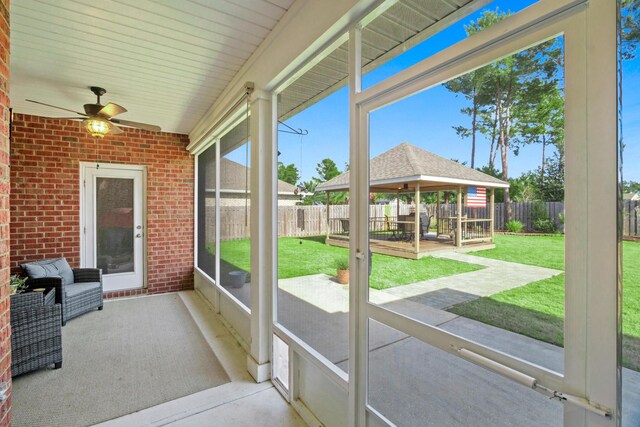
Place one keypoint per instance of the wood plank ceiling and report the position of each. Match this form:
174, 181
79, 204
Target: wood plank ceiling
165, 61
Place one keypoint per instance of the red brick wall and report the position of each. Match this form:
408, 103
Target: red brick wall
45, 194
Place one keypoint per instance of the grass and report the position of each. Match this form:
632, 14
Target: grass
310, 255
537, 309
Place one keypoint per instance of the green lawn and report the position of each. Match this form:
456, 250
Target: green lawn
310, 255
537, 309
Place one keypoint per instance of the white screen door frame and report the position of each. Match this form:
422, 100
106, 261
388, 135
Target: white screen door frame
591, 376
117, 274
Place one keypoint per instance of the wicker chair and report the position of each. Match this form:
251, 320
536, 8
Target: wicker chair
78, 290
36, 333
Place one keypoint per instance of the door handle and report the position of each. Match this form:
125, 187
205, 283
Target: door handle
139, 235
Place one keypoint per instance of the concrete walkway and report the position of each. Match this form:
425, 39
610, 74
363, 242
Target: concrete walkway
444, 292
403, 386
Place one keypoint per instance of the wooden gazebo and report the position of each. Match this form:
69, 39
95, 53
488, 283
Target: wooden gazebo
409, 169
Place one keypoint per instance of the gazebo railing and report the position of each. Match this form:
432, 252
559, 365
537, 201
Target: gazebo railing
377, 226
472, 228
476, 229
339, 227
385, 228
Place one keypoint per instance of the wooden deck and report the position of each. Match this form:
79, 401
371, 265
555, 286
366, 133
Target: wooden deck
406, 249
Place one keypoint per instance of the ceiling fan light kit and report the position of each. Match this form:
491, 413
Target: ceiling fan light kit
98, 119
97, 126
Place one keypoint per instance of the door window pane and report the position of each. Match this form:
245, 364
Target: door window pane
114, 225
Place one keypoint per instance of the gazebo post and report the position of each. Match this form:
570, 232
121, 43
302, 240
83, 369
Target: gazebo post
459, 218
416, 226
437, 215
328, 222
491, 212
398, 206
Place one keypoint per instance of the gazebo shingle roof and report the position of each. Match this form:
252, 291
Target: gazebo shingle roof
408, 163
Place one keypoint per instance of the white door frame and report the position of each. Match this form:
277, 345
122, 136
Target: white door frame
140, 203
591, 371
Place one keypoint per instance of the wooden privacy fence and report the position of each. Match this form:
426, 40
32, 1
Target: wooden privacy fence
301, 221
630, 214
520, 211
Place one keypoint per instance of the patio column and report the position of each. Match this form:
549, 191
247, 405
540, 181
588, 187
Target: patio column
459, 218
416, 226
491, 212
263, 241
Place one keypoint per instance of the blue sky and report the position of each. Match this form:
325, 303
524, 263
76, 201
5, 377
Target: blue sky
426, 119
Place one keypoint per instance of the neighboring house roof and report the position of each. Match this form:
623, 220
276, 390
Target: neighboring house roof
233, 178
408, 164
631, 196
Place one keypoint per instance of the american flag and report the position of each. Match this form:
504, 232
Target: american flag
476, 197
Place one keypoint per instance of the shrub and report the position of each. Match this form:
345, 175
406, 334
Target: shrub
539, 211
544, 225
514, 226
541, 219
342, 264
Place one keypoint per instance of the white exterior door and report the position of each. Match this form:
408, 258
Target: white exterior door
112, 224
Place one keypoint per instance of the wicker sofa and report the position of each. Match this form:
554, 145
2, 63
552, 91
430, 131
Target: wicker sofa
78, 290
36, 333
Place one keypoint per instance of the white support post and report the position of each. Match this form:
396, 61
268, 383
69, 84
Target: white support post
358, 240
459, 218
261, 132
603, 281
437, 214
416, 225
328, 218
491, 212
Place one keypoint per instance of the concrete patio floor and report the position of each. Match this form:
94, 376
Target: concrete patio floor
403, 386
239, 403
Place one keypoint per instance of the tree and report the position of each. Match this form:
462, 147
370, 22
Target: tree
506, 85
469, 85
523, 188
552, 188
327, 169
492, 171
542, 121
630, 28
630, 187
309, 187
288, 173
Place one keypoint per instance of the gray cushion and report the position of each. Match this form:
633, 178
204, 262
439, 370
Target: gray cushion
76, 289
58, 267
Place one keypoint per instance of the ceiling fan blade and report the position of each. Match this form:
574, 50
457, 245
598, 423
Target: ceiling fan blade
145, 126
65, 118
115, 130
54, 106
111, 110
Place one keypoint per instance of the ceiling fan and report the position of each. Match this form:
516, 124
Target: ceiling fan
98, 119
